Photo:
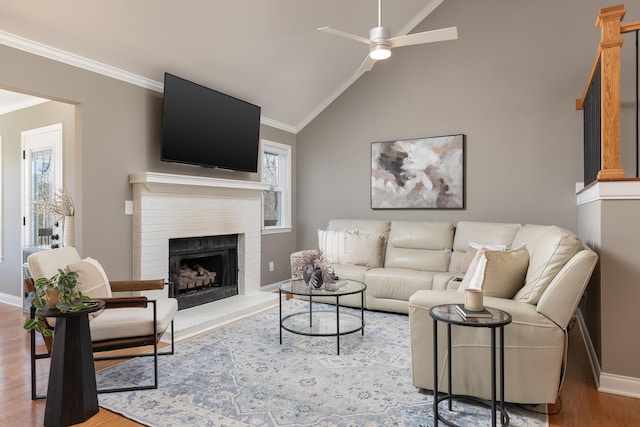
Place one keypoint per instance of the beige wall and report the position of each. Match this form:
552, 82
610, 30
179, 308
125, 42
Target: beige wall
509, 83
11, 126
277, 247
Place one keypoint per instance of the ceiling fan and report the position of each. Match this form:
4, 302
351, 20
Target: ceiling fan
380, 41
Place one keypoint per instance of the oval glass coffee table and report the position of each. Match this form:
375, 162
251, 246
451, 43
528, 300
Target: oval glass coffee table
322, 322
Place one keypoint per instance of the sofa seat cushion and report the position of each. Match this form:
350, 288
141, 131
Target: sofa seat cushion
133, 321
397, 283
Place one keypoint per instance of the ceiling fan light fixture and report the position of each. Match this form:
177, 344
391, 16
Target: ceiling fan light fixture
379, 52
380, 48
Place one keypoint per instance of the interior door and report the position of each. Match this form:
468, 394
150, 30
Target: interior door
42, 176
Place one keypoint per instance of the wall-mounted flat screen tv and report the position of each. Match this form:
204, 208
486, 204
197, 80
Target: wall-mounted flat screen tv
201, 126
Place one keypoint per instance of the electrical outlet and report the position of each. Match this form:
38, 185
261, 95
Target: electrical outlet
271, 266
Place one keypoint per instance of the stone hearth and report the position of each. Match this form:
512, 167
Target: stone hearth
168, 206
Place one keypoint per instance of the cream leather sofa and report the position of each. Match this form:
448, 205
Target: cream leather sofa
421, 264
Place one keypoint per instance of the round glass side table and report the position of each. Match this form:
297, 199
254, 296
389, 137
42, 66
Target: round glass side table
448, 314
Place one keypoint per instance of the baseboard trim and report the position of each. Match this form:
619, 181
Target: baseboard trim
11, 300
618, 384
591, 351
605, 382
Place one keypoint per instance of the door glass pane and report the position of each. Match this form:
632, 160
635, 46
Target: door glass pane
42, 189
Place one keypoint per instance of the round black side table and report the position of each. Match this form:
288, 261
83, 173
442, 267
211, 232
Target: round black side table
448, 314
71, 393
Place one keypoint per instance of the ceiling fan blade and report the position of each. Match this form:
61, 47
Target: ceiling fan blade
450, 33
366, 65
344, 34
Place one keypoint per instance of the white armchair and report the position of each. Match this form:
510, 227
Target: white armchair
126, 322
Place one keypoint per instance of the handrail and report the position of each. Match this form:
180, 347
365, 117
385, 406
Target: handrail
608, 60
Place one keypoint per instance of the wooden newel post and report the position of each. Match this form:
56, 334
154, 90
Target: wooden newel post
609, 21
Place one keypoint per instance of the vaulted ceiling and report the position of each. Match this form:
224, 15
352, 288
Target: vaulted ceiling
265, 52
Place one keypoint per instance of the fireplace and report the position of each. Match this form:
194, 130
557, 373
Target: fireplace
169, 206
203, 269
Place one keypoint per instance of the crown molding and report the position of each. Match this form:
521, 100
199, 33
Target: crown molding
65, 57
279, 125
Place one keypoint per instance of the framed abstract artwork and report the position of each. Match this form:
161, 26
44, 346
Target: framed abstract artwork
421, 173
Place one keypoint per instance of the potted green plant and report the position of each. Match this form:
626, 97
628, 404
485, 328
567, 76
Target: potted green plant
313, 268
59, 291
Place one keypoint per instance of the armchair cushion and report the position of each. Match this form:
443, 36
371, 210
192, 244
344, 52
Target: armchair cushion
92, 279
133, 322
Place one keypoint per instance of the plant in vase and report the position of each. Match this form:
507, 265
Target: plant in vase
313, 268
59, 291
61, 207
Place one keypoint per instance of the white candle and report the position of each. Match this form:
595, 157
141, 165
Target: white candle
473, 299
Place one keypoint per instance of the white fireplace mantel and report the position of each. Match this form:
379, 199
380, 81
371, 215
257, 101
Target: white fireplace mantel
158, 180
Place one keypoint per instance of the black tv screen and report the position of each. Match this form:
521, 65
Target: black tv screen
201, 126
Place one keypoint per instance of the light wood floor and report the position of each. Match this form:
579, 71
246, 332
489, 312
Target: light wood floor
582, 404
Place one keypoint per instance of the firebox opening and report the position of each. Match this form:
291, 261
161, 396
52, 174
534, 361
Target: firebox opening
203, 269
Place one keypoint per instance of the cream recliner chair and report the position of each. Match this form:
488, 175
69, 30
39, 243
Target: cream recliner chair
536, 340
126, 322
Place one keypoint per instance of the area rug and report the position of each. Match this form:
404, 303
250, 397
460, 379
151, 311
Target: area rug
239, 375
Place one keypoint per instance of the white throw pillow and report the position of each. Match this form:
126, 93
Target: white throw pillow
92, 279
363, 249
498, 273
473, 249
331, 243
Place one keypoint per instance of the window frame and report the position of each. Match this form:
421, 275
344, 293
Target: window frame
284, 178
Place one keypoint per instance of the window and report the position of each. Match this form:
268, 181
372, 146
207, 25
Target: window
276, 171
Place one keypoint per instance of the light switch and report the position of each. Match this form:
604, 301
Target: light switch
128, 207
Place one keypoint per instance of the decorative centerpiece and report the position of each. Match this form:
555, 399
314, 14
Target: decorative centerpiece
59, 291
61, 207
313, 268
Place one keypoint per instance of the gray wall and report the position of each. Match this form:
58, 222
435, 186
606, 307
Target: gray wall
509, 83
11, 126
117, 133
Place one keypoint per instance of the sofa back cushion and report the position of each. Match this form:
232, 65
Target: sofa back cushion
481, 234
550, 248
419, 245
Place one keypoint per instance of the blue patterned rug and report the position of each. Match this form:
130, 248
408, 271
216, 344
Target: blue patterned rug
239, 375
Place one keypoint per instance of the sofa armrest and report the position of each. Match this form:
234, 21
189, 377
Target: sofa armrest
123, 302
561, 298
136, 285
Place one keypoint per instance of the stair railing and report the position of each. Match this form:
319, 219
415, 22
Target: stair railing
601, 100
